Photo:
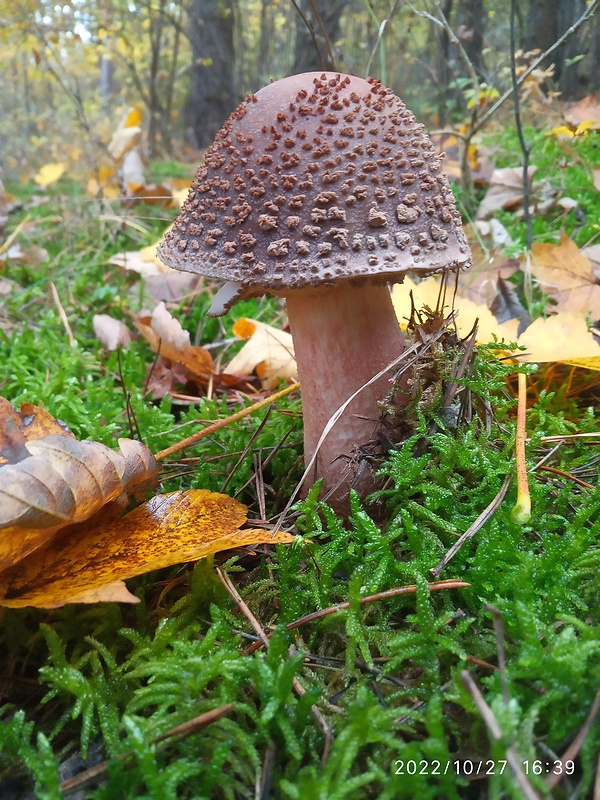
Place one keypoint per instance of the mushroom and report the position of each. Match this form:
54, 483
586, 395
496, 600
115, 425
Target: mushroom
323, 188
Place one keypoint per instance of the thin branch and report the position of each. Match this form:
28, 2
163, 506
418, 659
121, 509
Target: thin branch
372, 598
588, 13
571, 752
97, 772
485, 515
524, 147
222, 423
512, 757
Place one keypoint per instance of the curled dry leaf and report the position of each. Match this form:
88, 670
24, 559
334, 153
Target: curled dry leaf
162, 282
269, 352
505, 191
90, 561
49, 479
166, 336
113, 333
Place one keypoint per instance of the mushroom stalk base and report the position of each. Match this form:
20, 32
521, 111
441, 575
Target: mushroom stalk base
343, 336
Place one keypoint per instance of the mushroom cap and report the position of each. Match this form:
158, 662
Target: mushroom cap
318, 178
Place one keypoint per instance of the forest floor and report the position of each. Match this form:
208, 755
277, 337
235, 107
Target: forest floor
480, 680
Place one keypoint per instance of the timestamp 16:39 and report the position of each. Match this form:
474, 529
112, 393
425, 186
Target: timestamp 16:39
540, 766
467, 767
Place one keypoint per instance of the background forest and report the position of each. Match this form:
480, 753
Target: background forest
68, 68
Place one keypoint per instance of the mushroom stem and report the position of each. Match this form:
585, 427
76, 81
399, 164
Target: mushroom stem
343, 336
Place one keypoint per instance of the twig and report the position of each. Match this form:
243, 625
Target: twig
521, 512
499, 629
97, 772
372, 598
512, 757
589, 12
264, 639
571, 752
226, 581
222, 423
524, 148
485, 515
568, 476
62, 314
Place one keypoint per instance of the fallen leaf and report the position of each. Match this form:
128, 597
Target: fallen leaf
50, 173
596, 177
166, 336
169, 529
427, 293
505, 191
269, 352
132, 172
592, 252
563, 338
113, 333
506, 305
49, 479
30, 256
566, 274
585, 110
479, 283
19, 427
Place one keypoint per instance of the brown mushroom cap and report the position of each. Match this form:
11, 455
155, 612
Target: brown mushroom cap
318, 178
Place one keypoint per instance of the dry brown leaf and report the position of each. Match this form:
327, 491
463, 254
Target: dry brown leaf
269, 352
566, 274
505, 191
49, 479
19, 427
30, 256
113, 333
156, 194
585, 110
596, 177
166, 336
162, 282
479, 283
84, 564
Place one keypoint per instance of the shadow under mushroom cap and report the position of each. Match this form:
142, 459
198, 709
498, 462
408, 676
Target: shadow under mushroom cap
318, 178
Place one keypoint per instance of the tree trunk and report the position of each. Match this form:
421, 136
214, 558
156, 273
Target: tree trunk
317, 29
547, 22
212, 94
470, 20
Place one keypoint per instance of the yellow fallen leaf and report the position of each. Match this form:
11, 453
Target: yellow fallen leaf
269, 352
567, 275
50, 173
427, 292
88, 558
565, 338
